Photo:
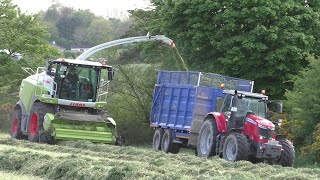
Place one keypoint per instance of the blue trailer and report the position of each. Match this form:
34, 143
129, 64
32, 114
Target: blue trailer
181, 102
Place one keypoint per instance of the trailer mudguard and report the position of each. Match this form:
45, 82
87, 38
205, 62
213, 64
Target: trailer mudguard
220, 120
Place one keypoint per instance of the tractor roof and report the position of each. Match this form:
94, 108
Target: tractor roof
249, 94
81, 62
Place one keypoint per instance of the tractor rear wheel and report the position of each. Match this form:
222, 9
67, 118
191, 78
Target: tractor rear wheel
236, 147
35, 130
16, 124
167, 144
206, 145
157, 138
287, 155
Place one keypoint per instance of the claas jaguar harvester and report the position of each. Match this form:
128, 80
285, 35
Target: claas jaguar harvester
216, 115
65, 101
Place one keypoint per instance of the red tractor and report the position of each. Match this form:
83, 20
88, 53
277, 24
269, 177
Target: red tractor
241, 131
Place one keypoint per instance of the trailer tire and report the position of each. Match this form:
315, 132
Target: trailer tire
287, 155
16, 124
206, 144
35, 129
167, 144
157, 139
236, 147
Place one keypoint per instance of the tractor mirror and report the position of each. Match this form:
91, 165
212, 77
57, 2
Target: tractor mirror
279, 107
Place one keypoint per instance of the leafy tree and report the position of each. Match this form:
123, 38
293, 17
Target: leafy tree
24, 34
266, 41
21, 33
130, 98
303, 104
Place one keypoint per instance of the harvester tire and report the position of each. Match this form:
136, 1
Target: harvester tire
35, 130
157, 139
206, 144
236, 147
287, 155
167, 144
16, 124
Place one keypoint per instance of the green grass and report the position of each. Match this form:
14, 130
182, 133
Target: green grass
14, 176
85, 160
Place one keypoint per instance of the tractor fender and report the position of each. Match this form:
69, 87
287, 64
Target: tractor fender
20, 105
24, 115
220, 120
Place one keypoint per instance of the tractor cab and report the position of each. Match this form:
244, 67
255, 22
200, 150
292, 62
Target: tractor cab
239, 104
78, 80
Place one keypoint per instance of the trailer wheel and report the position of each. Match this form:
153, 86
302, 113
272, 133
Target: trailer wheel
157, 138
16, 124
35, 130
206, 145
287, 155
235, 147
167, 145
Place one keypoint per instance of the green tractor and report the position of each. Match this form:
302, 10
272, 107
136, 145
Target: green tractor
65, 101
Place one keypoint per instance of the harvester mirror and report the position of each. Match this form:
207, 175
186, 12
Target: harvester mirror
48, 67
279, 107
110, 73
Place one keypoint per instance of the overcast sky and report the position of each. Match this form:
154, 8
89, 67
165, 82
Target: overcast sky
106, 8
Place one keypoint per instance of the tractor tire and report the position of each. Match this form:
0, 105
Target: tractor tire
16, 124
167, 145
287, 155
35, 130
157, 138
206, 144
236, 147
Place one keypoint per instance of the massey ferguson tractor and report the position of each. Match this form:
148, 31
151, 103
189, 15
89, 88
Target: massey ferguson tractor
218, 116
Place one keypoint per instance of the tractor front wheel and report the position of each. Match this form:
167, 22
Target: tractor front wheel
236, 147
35, 130
206, 144
287, 155
157, 138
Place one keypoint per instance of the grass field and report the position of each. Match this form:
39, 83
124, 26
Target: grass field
21, 159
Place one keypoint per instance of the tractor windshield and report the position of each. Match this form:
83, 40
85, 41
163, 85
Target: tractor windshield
249, 104
78, 83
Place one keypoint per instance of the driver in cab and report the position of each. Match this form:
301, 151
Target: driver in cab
72, 75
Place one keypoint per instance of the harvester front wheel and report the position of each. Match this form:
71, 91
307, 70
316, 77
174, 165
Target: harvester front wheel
157, 138
167, 144
16, 124
236, 147
206, 145
288, 153
35, 130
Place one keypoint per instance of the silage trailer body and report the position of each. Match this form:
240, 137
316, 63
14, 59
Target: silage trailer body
183, 98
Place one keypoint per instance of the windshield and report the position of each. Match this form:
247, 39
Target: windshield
77, 83
249, 104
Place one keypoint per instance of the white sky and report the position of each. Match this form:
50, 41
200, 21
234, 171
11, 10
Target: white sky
106, 8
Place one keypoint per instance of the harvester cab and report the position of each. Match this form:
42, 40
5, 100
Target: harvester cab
65, 102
